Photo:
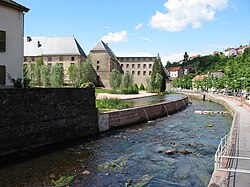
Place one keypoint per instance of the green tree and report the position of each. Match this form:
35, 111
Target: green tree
37, 68
185, 60
87, 72
158, 82
115, 79
73, 75
127, 81
157, 68
45, 76
57, 76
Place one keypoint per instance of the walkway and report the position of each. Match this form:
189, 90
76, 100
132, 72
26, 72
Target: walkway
124, 96
237, 179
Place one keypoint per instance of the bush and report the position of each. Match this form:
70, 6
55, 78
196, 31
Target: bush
111, 103
142, 87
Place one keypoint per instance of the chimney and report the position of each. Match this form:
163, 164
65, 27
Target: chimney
29, 39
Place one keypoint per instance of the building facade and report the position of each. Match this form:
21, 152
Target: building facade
175, 72
11, 41
139, 65
104, 61
54, 50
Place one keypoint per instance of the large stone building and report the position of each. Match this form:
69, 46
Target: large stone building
11, 41
104, 61
138, 64
62, 50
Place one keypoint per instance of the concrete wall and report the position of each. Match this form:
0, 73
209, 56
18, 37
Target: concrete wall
110, 120
30, 118
12, 22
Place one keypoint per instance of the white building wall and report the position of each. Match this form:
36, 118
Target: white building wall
11, 21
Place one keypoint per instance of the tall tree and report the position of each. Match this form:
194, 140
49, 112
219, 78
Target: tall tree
37, 71
158, 68
185, 60
127, 81
115, 79
57, 76
45, 76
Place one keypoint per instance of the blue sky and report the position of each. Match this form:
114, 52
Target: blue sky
167, 27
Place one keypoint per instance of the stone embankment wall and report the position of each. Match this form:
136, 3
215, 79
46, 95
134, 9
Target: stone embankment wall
110, 120
31, 118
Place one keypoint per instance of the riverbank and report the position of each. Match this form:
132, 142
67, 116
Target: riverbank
236, 172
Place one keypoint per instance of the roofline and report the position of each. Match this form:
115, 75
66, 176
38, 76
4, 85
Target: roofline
15, 6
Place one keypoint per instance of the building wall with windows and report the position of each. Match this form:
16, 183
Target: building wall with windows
140, 66
11, 41
54, 50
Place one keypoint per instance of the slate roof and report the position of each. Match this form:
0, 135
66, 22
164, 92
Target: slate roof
50, 46
101, 46
13, 4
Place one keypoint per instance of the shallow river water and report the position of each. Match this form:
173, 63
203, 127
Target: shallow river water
177, 150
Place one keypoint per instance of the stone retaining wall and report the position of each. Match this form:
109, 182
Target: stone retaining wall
30, 118
110, 120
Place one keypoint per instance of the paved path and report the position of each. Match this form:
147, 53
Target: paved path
125, 96
237, 179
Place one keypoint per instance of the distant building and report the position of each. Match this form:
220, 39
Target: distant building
175, 72
231, 52
104, 61
242, 49
138, 64
11, 41
54, 50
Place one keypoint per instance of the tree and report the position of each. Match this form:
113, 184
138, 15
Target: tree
158, 82
185, 60
57, 76
45, 76
157, 68
87, 72
37, 68
127, 81
73, 75
115, 79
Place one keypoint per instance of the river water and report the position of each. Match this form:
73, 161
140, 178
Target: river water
177, 150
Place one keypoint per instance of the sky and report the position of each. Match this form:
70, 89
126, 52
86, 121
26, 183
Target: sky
167, 27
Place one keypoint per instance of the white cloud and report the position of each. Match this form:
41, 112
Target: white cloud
182, 13
146, 39
104, 26
139, 26
115, 37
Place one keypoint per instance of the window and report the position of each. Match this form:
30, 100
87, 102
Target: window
98, 62
147, 59
139, 65
138, 73
60, 58
133, 72
144, 65
150, 72
150, 65
49, 59
97, 68
2, 41
133, 65
72, 58
127, 65
144, 72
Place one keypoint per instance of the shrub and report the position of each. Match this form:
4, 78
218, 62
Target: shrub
111, 103
142, 87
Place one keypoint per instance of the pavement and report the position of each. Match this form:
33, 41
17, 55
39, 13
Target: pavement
124, 96
242, 149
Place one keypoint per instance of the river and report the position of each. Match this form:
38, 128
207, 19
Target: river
177, 150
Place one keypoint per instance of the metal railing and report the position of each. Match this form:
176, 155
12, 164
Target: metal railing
224, 154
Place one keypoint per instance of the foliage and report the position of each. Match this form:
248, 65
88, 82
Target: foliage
37, 68
111, 103
127, 81
73, 75
157, 68
142, 87
115, 79
56, 76
101, 90
63, 181
45, 76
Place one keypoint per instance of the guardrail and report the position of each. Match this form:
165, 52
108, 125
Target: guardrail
224, 154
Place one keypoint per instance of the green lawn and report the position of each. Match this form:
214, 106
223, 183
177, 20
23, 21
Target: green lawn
102, 90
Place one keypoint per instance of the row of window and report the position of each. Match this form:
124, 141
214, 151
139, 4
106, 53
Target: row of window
138, 65
143, 73
125, 59
49, 59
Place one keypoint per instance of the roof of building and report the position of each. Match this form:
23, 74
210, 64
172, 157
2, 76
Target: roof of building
13, 4
101, 46
177, 68
134, 54
199, 77
49, 46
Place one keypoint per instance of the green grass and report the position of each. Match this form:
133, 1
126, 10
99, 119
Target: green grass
111, 104
101, 90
